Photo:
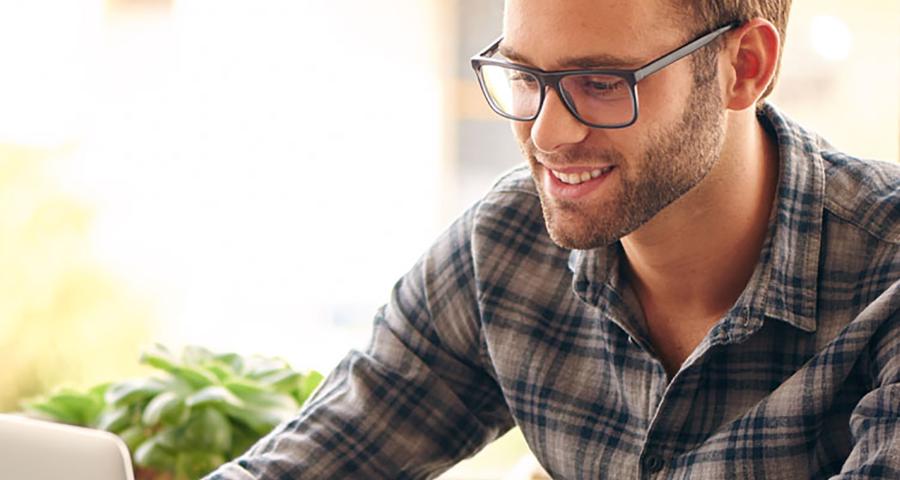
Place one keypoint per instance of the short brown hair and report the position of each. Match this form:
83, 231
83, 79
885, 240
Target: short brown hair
707, 15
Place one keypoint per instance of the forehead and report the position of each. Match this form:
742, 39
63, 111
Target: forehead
547, 32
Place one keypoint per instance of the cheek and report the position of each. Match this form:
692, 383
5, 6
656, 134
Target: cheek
522, 131
663, 96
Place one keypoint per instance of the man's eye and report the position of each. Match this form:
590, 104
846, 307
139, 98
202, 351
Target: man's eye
601, 87
606, 86
523, 78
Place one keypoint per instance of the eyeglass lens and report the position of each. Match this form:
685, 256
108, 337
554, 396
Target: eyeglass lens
603, 100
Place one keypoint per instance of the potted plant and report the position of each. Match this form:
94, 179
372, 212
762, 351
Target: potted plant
201, 409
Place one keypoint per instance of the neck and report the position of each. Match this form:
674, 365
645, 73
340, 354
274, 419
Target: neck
697, 255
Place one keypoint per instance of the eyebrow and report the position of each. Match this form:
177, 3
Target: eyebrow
588, 61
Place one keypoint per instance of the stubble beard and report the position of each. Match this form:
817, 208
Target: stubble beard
677, 159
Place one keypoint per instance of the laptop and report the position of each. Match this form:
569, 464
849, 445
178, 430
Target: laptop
38, 450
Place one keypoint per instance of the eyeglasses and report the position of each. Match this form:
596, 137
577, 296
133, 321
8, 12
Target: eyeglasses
599, 98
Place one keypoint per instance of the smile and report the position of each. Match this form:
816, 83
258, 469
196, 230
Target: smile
576, 178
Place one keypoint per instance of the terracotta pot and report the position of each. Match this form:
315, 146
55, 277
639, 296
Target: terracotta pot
144, 473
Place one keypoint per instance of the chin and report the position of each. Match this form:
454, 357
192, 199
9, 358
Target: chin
578, 232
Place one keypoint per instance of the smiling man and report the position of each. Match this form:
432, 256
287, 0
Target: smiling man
682, 283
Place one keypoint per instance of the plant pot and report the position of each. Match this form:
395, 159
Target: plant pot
144, 473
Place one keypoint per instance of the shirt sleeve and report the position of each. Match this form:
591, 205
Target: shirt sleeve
419, 399
875, 422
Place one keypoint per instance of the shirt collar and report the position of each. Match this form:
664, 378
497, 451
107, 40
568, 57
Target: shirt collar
784, 286
797, 237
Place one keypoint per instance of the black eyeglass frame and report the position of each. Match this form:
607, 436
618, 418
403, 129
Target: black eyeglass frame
553, 79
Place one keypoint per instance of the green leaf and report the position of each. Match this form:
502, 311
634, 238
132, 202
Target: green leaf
242, 438
267, 398
216, 395
98, 391
264, 411
167, 407
308, 385
152, 454
190, 465
259, 367
133, 436
244, 387
171, 437
159, 357
69, 406
234, 361
53, 411
259, 421
195, 355
283, 380
209, 430
115, 419
133, 391
195, 377
220, 370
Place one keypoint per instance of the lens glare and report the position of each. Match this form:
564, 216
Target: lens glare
513, 92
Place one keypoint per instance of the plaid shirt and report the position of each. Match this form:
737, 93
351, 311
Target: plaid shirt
497, 326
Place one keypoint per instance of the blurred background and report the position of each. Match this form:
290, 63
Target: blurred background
253, 176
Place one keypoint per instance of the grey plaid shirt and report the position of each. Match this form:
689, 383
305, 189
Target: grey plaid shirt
497, 326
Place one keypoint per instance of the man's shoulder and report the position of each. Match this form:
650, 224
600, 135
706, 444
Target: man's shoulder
864, 193
508, 215
509, 219
514, 259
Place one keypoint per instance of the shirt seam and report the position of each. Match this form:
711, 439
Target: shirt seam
835, 210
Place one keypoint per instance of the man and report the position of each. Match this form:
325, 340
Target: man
688, 286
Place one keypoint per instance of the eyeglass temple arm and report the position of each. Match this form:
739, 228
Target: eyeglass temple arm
669, 58
492, 49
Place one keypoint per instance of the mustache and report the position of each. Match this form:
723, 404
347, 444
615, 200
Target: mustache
576, 155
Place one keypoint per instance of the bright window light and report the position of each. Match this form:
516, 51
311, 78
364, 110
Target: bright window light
830, 37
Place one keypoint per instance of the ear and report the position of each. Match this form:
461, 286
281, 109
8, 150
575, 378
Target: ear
750, 60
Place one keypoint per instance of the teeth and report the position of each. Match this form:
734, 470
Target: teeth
576, 178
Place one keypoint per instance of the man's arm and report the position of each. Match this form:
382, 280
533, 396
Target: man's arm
875, 422
414, 403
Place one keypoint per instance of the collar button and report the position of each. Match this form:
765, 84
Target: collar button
654, 463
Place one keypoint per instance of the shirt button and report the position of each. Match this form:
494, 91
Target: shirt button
654, 463
631, 340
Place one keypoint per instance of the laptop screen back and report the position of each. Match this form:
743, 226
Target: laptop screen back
37, 450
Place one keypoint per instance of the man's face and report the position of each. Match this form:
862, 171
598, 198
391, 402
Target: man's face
642, 168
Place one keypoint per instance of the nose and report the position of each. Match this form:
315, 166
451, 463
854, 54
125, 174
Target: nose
556, 127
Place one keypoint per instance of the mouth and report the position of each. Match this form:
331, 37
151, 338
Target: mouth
574, 183
579, 177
